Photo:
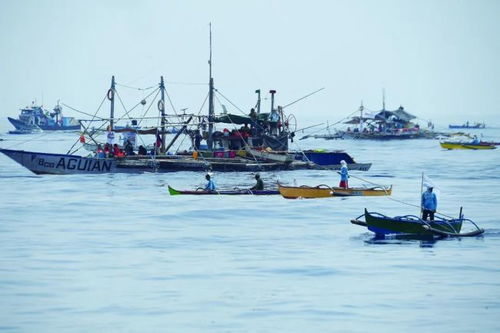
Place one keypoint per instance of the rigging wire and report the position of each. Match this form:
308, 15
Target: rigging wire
324, 128
85, 131
170, 101
187, 83
85, 113
227, 99
150, 105
135, 88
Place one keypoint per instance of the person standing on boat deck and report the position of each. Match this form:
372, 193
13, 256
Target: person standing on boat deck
210, 185
197, 140
344, 175
273, 120
429, 204
259, 186
110, 137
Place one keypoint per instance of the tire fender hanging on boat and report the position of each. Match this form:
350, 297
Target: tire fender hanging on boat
161, 106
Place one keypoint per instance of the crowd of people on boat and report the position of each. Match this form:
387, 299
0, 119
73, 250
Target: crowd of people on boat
113, 150
250, 132
385, 128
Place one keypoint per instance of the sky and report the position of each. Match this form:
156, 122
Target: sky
439, 59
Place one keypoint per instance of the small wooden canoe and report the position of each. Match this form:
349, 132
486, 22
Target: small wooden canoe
173, 191
470, 146
413, 225
325, 191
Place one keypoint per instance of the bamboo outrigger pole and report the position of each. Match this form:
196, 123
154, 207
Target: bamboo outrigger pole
310, 94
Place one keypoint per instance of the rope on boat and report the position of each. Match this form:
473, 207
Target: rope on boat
85, 129
187, 83
335, 123
135, 88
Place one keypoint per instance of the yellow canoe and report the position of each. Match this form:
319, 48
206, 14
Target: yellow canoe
457, 145
325, 191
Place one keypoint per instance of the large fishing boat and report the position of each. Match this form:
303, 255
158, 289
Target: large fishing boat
380, 125
35, 117
258, 141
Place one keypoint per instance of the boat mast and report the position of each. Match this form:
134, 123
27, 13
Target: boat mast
272, 92
162, 110
258, 100
383, 99
361, 108
111, 97
210, 142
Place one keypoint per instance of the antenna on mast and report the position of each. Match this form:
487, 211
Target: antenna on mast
210, 142
383, 98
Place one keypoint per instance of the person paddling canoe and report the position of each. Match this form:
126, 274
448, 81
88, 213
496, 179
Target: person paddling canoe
210, 184
259, 186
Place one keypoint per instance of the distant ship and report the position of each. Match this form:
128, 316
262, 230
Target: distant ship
34, 118
467, 125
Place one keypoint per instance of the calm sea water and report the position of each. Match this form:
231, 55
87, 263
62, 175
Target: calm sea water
116, 253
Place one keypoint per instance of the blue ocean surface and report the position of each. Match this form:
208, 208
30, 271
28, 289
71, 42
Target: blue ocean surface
117, 253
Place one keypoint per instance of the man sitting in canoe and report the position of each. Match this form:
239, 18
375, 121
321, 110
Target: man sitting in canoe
210, 185
259, 186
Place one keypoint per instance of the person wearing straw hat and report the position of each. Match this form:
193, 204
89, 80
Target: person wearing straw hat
429, 204
344, 175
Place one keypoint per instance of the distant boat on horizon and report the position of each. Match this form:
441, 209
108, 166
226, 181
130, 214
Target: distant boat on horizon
470, 126
35, 118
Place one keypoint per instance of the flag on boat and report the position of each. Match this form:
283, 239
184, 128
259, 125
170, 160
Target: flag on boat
428, 182
158, 140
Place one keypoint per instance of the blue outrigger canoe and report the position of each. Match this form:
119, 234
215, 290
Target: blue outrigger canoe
383, 225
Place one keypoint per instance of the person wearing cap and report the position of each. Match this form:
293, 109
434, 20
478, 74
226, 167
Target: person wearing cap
210, 185
344, 175
259, 186
429, 204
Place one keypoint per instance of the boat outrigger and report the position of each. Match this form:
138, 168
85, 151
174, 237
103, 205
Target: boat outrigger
200, 191
412, 225
325, 191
